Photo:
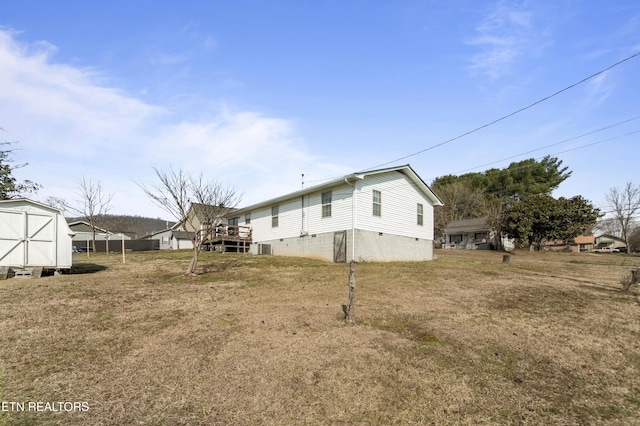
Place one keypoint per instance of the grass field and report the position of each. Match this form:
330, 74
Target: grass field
545, 339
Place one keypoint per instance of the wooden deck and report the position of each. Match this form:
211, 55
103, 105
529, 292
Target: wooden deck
227, 238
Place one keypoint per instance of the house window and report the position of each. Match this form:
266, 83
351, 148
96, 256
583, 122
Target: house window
326, 204
247, 218
377, 203
234, 221
455, 239
479, 236
275, 210
420, 214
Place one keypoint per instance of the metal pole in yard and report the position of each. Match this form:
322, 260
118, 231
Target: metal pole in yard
123, 257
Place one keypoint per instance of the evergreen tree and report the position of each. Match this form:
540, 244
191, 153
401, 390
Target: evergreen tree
492, 192
539, 218
10, 187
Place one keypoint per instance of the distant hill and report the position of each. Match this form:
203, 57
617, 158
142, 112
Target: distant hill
133, 226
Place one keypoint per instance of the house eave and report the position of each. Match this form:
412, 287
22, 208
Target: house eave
350, 179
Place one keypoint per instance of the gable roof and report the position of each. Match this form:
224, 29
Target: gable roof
184, 235
608, 238
23, 201
81, 225
405, 170
585, 239
202, 212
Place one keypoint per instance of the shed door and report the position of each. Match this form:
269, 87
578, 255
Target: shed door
41, 240
12, 224
340, 246
27, 239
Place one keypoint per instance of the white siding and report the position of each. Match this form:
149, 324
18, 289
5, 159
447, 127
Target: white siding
294, 220
302, 215
289, 221
340, 211
400, 198
33, 234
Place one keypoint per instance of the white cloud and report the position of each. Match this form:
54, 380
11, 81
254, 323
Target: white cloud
210, 43
505, 35
40, 97
599, 89
71, 124
167, 59
260, 155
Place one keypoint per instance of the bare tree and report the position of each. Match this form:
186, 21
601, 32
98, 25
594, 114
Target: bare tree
608, 226
91, 204
198, 204
461, 201
625, 204
494, 211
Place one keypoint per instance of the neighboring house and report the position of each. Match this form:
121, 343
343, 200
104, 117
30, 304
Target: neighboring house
83, 237
33, 235
376, 215
197, 218
609, 243
173, 239
582, 243
473, 234
585, 243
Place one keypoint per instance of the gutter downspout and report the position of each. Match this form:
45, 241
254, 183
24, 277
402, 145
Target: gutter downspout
303, 229
353, 220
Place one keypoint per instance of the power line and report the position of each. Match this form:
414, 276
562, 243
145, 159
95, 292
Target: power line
596, 143
555, 153
522, 166
553, 144
511, 114
504, 118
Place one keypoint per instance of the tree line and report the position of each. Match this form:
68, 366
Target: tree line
517, 203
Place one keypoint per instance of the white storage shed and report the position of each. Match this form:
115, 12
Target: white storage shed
33, 234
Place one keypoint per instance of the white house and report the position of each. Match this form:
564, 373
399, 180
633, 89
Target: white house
472, 234
376, 215
173, 239
33, 235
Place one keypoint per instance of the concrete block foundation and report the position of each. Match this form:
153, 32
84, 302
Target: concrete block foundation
369, 247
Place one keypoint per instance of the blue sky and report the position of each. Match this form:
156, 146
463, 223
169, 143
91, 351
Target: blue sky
255, 93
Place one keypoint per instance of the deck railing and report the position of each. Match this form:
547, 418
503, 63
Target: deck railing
226, 233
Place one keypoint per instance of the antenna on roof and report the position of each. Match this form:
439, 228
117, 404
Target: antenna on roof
303, 181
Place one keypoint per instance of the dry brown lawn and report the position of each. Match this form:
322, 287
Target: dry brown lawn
546, 339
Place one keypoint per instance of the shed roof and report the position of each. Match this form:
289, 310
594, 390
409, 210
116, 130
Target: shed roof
20, 202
